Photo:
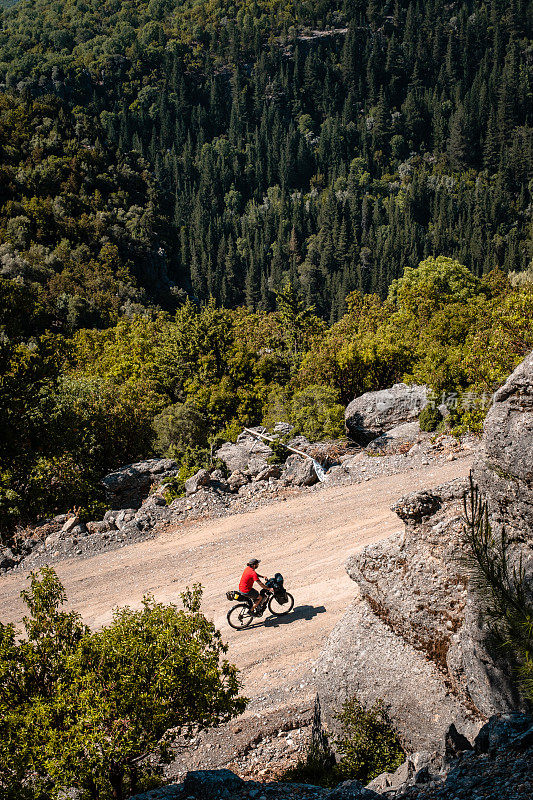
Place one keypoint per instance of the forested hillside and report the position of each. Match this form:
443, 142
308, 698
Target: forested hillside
215, 214
219, 148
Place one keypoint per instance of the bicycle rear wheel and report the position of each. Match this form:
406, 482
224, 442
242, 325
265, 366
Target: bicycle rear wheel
240, 616
280, 609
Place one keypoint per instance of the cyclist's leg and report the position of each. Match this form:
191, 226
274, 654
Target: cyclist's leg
255, 597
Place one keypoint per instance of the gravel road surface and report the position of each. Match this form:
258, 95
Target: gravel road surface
307, 537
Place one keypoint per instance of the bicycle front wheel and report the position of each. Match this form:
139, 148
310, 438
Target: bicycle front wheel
280, 609
240, 616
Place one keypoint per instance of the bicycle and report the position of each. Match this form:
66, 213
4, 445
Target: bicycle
279, 603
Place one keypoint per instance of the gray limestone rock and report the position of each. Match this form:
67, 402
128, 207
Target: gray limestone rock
97, 527
364, 657
401, 436
416, 769
270, 471
248, 454
210, 784
200, 478
299, 471
504, 466
351, 790
129, 485
415, 583
374, 413
7, 558
69, 525
501, 730
413, 508
124, 517
237, 479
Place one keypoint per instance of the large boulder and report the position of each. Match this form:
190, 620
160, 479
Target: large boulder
365, 657
418, 506
128, 486
504, 466
374, 413
398, 439
7, 558
299, 471
212, 784
199, 479
249, 454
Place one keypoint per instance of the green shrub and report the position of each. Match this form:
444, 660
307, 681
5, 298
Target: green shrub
87, 710
316, 413
368, 744
191, 460
178, 427
11, 504
60, 483
503, 588
279, 452
430, 418
467, 419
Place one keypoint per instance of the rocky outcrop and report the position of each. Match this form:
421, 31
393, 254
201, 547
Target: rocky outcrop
398, 439
498, 766
299, 471
199, 479
419, 506
365, 657
415, 635
128, 486
249, 454
504, 467
374, 413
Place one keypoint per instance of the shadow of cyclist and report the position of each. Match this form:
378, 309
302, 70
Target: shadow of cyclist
298, 612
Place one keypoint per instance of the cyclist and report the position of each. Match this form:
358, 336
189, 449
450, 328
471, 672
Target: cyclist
246, 585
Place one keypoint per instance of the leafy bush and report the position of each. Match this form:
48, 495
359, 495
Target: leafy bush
60, 482
279, 451
429, 418
192, 459
87, 709
11, 502
464, 419
368, 743
368, 746
316, 413
180, 426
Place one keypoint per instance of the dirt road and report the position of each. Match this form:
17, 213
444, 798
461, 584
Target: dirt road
307, 538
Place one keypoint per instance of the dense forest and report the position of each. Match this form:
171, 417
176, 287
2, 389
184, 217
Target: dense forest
218, 149
215, 214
